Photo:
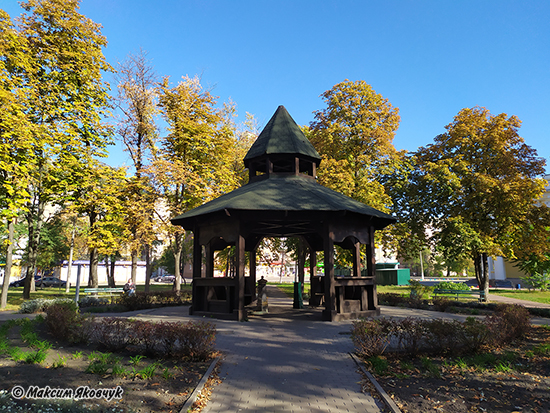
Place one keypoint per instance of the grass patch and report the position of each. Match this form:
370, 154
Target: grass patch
15, 294
542, 297
288, 288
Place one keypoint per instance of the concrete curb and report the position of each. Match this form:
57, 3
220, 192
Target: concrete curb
385, 396
199, 387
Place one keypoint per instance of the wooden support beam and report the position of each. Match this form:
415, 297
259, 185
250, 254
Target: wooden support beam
330, 290
371, 257
209, 263
197, 264
239, 290
356, 258
252, 259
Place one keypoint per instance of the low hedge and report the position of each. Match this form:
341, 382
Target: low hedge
142, 300
413, 335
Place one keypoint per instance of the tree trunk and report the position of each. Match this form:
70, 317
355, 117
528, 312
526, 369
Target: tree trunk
482, 274
35, 223
112, 282
134, 266
70, 263
148, 267
9, 260
93, 281
178, 246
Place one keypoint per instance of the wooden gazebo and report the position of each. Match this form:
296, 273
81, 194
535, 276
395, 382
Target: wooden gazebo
283, 199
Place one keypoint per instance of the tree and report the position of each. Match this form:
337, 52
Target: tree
137, 102
101, 198
476, 185
16, 141
354, 136
195, 158
532, 255
69, 102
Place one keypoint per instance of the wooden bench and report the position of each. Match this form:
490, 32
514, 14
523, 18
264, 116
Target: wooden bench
458, 293
104, 291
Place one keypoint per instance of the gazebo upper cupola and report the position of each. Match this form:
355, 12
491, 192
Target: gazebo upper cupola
281, 148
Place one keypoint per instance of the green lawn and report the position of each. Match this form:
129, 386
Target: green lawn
537, 296
15, 294
288, 288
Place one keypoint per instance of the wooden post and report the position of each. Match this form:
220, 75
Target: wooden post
239, 290
371, 297
371, 258
252, 258
356, 258
209, 263
330, 291
301, 262
197, 272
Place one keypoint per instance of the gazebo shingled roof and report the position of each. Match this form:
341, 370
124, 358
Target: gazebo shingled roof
281, 136
282, 199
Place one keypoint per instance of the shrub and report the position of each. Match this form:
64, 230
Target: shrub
476, 335
392, 299
91, 301
418, 290
144, 334
449, 285
410, 334
414, 336
141, 300
371, 337
441, 335
65, 323
195, 341
40, 305
113, 333
33, 306
509, 322
442, 303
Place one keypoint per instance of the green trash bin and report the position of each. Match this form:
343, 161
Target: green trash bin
298, 302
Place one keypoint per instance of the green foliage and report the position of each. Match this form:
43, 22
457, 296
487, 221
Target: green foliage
538, 270
35, 357
66, 323
135, 360
475, 187
379, 365
60, 362
40, 305
449, 285
418, 290
147, 373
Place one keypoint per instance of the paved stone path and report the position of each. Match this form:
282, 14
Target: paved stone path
287, 365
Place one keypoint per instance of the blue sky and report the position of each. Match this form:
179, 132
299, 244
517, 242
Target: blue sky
429, 58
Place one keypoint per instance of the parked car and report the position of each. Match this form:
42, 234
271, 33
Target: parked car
18, 283
21, 282
51, 282
165, 279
